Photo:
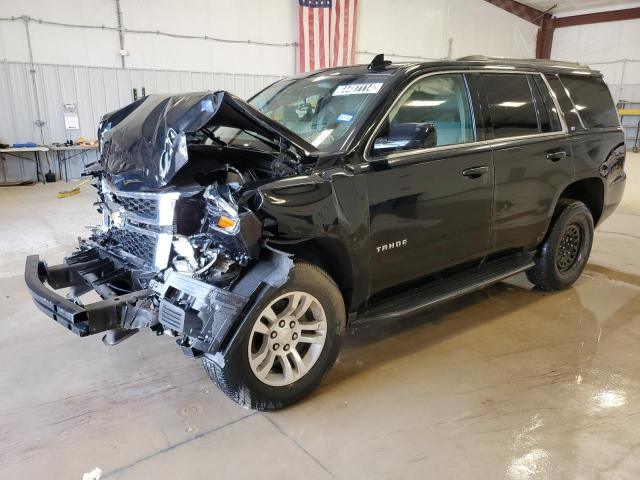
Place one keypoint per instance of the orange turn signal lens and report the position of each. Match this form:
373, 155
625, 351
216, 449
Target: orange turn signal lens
226, 222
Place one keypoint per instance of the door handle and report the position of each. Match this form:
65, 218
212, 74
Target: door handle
475, 172
555, 156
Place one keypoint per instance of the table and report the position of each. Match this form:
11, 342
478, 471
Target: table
13, 152
65, 153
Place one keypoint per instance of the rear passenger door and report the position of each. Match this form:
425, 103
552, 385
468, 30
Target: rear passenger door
531, 157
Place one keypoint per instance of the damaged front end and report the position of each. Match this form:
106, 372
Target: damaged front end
181, 247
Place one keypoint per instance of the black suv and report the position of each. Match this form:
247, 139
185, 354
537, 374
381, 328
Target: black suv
256, 233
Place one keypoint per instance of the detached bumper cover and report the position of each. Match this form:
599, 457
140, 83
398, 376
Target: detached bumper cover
212, 324
82, 320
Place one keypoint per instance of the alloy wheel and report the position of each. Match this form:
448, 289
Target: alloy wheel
287, 338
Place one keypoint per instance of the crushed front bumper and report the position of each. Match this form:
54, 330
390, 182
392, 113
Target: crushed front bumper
210, 321
82, 320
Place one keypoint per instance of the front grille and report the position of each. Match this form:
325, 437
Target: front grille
133, 243
139, 224
145, 207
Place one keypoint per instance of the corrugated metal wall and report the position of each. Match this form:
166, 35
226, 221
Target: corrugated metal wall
96, 91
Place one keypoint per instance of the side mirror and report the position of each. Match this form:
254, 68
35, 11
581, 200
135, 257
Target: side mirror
406, 136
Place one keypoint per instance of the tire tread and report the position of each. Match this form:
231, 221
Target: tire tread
239, 392
543, 274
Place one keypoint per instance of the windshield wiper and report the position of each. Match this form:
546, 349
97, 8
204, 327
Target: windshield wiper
269, 143
213, 138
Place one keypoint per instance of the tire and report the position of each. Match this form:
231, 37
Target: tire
245, 378
563, 254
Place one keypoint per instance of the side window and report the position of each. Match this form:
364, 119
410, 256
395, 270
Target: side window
547, 112
592, 100
561, 93
433, 112
511, 106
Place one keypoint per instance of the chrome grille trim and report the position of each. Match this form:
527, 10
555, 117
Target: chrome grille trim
159, 221
138, 245
162, 245
161, 214
143, 207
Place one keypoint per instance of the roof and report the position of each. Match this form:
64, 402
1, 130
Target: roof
545, 66
534, 65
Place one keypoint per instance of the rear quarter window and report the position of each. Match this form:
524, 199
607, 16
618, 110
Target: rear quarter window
592, 100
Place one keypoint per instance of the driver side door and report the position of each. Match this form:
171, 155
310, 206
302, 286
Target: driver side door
430, 203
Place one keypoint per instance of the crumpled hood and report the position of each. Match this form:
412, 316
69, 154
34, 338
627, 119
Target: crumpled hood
144, 143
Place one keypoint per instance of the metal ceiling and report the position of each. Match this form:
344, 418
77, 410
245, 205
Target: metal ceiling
565, 7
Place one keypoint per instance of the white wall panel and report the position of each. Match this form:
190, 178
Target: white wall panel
410, 27
55, 44
611, 47
13, 40
483, 28
423, 28
273, 21
614, 49
600, 42
96, 90
418, 28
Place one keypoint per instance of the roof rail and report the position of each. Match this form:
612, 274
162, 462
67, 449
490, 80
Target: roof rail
549, 63
470, 58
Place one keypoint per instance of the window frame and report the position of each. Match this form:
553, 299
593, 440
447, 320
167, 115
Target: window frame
574, 122
401, 153
536, 87
488, 129
529, 79
486, 85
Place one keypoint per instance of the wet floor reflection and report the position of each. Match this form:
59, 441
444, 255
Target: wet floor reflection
610, 398
512, 382
534, 464
509, 372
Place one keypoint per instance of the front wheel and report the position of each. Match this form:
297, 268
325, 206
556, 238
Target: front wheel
294, 339
564, 252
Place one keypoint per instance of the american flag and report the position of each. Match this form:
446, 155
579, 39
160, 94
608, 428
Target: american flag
327, 33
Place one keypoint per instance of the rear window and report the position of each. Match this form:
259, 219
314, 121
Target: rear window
592, 100
513, 112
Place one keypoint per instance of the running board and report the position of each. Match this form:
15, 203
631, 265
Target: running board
438, 291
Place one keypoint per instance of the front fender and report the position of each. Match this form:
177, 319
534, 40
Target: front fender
315, 210
267, 275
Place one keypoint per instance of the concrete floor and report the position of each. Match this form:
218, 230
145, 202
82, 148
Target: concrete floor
504, 383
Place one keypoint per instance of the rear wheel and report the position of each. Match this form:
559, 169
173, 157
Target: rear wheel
563, 254
294, 338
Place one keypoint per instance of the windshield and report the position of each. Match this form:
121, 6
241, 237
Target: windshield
320, 109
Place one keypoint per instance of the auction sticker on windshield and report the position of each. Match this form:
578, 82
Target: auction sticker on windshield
357, 89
